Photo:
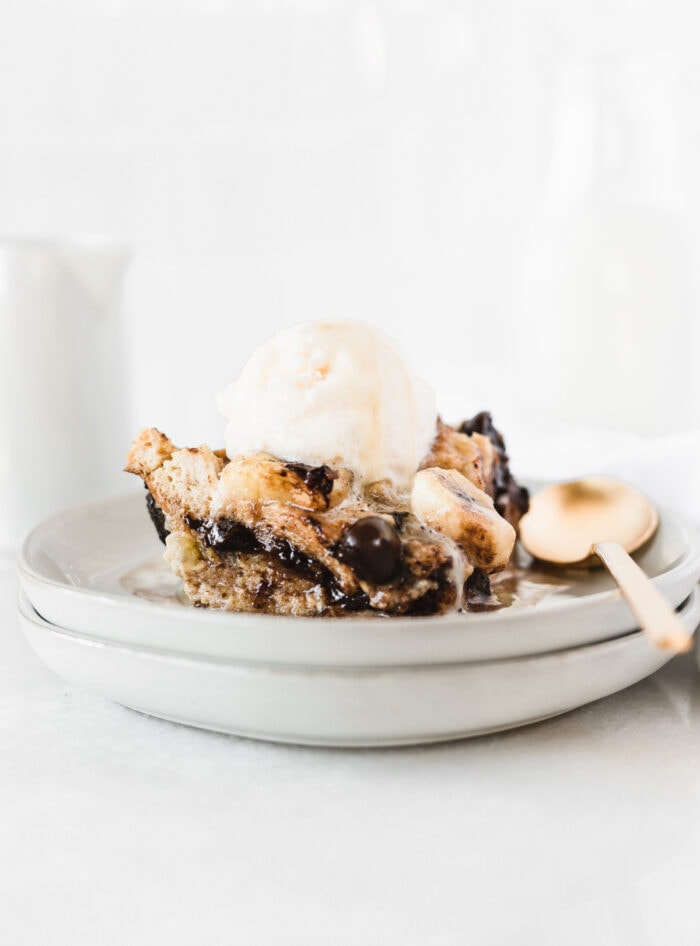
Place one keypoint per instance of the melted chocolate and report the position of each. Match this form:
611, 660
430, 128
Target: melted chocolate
224, 535
437, 598
355, 602
310, 568
292, 558
371, 546
157, 517
510, 499
319, 479
477, 589
399, 519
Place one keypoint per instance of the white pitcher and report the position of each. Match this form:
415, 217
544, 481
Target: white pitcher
63, 410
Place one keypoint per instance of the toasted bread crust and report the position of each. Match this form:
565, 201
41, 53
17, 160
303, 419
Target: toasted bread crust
473, 457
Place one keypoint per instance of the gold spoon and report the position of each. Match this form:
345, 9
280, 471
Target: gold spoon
599, 517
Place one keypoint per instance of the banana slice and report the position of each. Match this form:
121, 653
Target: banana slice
446, 501
259, 477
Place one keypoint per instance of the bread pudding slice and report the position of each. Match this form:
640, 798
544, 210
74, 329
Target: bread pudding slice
258, 533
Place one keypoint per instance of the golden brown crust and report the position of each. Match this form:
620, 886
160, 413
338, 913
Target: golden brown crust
182, 481
148, 452
472, 456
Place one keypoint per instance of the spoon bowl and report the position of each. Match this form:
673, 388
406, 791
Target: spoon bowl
601, 520
566, 520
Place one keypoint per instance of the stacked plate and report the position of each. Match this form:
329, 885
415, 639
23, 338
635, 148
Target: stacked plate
103, 611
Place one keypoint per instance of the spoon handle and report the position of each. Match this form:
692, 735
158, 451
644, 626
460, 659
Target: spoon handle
655, 615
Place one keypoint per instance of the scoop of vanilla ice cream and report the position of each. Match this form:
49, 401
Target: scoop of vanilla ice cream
332, 392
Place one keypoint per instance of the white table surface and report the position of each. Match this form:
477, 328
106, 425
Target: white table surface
116, 828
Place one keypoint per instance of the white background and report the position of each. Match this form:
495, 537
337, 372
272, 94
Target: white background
509, 188
418, 165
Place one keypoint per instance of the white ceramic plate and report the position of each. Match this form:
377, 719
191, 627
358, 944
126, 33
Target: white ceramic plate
348, 706
80, 570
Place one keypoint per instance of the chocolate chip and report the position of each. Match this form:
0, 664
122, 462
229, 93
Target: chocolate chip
372, 548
